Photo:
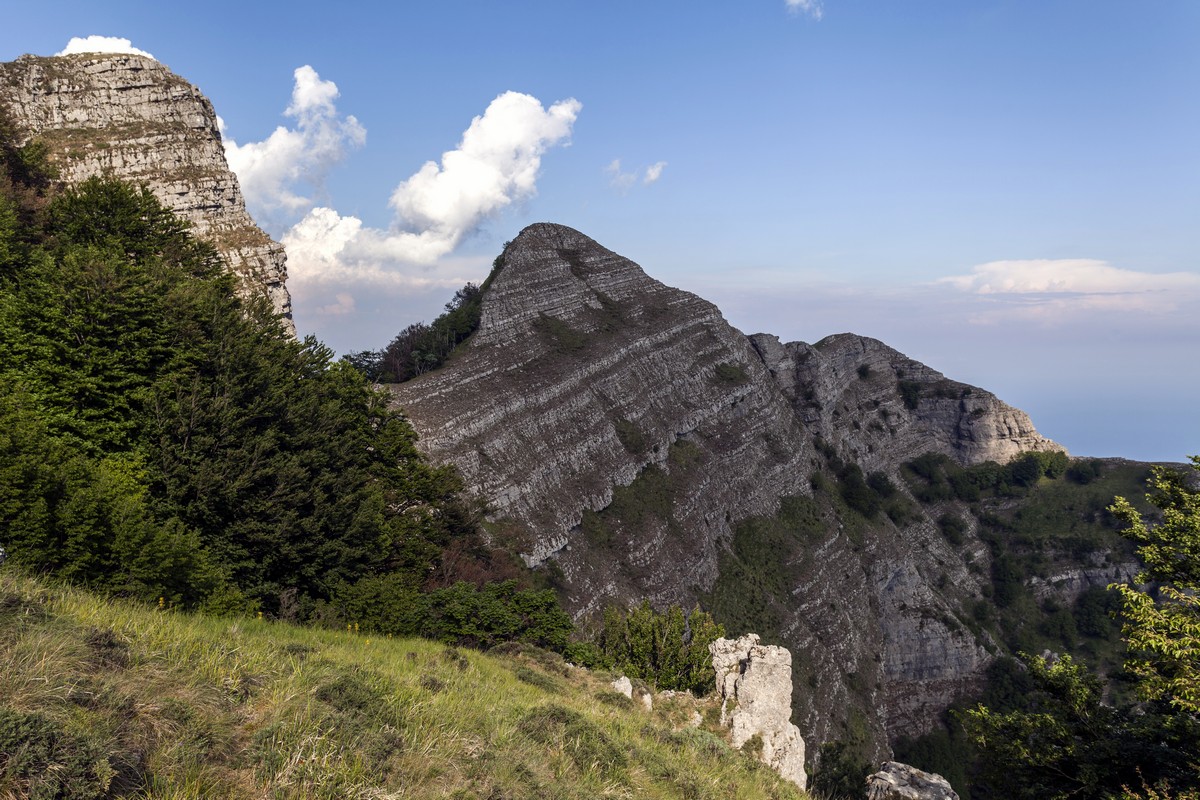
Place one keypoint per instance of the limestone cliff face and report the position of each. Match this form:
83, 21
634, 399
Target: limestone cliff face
132, 118
627, 429
586, 374
882, 408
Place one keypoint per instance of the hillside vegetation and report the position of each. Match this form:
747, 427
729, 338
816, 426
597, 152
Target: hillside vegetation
165, 438
103, 698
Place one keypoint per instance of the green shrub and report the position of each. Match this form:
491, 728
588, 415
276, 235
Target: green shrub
39, 759
730, 374
910, 393
667, 649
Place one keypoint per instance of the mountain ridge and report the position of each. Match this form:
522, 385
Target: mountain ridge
627, 432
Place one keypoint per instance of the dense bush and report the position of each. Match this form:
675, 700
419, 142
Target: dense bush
422, 347
935, 478
165, 438
668, 649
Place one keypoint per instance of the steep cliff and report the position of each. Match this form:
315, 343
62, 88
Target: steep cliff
628, 431
130, 117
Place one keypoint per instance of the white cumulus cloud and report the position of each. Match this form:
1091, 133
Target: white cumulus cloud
1047, 289
811, 7
272, 172
332, 256
101, 44
494, 165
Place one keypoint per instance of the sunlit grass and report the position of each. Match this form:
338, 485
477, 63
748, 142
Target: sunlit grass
156, 703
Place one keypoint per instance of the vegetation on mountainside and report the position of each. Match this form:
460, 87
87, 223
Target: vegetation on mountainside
106, 698
1037, 515
1069, 736
165, 440
422, 347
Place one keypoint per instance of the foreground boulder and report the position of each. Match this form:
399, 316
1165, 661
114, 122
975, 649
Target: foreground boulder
754, 682
898, 781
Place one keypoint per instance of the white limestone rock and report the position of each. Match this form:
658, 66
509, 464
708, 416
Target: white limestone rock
896, 781
754, 683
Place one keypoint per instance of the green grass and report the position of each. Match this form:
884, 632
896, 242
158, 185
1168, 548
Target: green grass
103, 698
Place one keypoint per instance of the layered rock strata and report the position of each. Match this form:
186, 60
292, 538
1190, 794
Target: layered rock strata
130, 117
880, 407
621, 430
754, 684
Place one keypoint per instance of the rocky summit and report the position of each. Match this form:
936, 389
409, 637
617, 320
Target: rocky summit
621, 430
130, 117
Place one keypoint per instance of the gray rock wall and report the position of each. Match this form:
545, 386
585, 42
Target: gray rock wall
130, 117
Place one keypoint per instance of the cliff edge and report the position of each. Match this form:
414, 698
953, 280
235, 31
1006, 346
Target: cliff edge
130, 117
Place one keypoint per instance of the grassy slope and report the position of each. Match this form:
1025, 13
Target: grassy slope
106, 698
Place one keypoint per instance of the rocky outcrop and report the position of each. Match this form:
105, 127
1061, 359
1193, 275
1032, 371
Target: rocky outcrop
896, 781
623, 685
620, 430
1067, 585
754, 684
879, 407
130, 117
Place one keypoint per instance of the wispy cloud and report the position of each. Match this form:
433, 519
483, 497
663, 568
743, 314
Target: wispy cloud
624, 181
653, 172
272, 172
101, 44
811, 7
1051, 289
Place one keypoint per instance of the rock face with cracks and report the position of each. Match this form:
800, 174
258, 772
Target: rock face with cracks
754, 684
896, 781
620, 430
130, 117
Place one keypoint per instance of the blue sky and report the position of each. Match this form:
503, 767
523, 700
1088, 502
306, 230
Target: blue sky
1006, 191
